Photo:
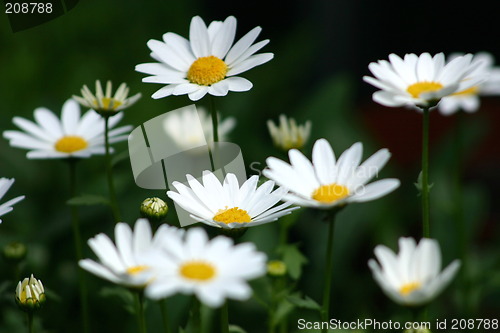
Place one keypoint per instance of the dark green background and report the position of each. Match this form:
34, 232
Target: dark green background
322, 49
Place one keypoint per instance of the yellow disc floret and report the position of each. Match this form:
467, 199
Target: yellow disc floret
471, 91
109, 103
206, 71
197, 270
137, 269
70, 144
330, 193
232, 215
423, 87
408, 288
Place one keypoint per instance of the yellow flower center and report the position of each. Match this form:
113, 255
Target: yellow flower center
276, 268
470, 91
206, 71
134, 270
409, 288
70, 143
232, 215
330, 193
109, 103
197, 270
423, 87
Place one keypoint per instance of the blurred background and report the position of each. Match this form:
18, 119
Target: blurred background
322, 49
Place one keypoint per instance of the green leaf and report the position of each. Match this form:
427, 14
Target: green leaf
88, 200
303, 303
419, 184
236, 329
282, 311
294, 260
125, 297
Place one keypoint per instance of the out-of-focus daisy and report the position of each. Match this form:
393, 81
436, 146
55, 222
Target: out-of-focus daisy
413, 276
228, 205
206, 63
469, 100
6, 207
70, 136
179, 126
105, 104
213, 270
126, 263
326, 183
288, 134
421, 80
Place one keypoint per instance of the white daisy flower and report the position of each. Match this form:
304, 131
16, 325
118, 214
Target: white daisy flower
212, 270
413, 276
6, 207
127, 263
469, 100
228, 205
421, 80
70, 136
288, 134
105, 103
324, 182
179, 126
206, 63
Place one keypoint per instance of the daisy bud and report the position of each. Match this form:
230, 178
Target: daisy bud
103, 102
276, 268
288, 135
14, 252
154, 209
30, 294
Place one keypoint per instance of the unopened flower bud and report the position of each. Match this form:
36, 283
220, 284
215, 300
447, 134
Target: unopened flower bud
276, 268
30, 294
154, 209
14, 252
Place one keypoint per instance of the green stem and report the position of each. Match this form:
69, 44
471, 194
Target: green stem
459, 204
75, 222
215, 121
325, 311
30, 322
425, 173
164, 316
109, 173
224, 318
139, 303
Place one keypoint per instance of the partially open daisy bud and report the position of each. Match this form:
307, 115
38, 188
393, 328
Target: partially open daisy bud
154, 209
103, 102
30, 294
276, 268
288, 135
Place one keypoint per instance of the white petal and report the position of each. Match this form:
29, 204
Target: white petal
375, 190
238, 84
224, 38
242, 45
198, 37
70, 116
249, 63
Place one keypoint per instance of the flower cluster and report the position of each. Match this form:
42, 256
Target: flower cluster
176, 261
